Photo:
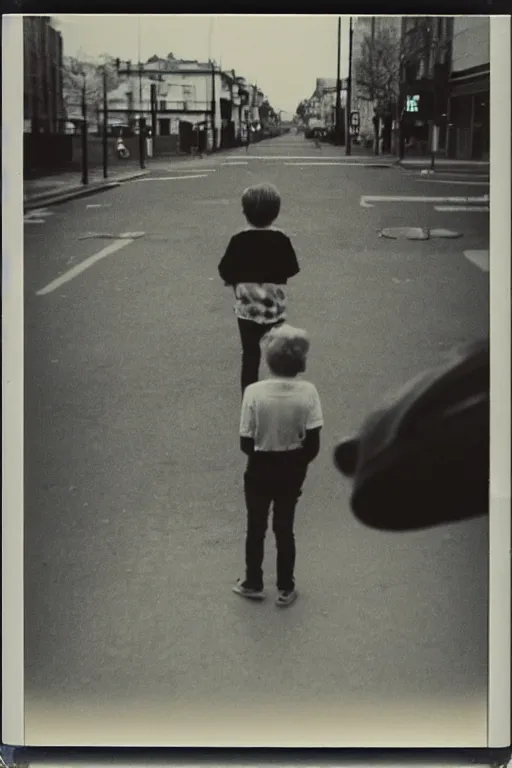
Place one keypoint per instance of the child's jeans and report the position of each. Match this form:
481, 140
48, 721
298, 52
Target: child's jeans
251, 334
272, 478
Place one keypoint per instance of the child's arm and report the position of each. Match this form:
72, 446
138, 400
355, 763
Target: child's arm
247, 424
311, 445
291, 262
247, 445
314, 424
226, 264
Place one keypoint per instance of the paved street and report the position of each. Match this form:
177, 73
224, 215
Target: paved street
134, 508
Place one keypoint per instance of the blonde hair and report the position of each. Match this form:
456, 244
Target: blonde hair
286, 350
261, 204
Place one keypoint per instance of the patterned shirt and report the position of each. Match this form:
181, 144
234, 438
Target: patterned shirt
258, 264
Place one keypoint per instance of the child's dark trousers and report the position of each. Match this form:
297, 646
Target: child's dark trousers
251, 334
272, 479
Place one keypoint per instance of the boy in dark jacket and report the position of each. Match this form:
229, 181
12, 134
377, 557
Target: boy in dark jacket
258, 263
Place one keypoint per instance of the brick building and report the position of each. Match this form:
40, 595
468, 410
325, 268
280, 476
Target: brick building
42, 76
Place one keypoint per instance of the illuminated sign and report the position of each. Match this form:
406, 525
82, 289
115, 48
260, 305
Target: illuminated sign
412, 103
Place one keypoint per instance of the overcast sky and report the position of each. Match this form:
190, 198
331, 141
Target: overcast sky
283, 54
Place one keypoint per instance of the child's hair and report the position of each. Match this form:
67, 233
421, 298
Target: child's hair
261, 204
287, 350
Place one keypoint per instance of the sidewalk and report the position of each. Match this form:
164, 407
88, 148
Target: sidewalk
57, 188
445, 164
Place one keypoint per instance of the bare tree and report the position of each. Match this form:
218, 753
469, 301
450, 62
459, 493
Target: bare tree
378, 74
79, 72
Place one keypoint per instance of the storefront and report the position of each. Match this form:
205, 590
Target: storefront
469, 117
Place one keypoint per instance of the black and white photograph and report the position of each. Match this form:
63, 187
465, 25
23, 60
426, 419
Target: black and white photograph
226, 223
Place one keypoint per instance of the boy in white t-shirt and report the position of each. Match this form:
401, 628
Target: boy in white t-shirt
280, 428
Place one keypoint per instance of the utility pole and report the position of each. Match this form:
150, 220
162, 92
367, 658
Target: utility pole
214, 105
141, 121
85, 162
105, 125
338, 88
348, 137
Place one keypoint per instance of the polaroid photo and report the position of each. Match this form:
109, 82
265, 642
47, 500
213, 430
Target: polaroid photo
226, 241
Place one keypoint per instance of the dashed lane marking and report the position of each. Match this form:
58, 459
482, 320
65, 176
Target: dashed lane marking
479, 258
75, 271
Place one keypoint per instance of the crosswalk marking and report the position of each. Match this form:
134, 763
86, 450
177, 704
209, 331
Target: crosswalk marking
368, 200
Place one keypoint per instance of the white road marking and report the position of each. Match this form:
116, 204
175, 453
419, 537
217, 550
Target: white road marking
447, 181
462, 208
172, 178
305, 157
237, 162
338, 162
479, 258
75, 271
37, 216
192, 170
99, 205
368, 200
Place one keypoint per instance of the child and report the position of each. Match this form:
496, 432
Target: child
258, 263
280, 433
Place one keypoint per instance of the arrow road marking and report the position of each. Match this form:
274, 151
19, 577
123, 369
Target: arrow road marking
75, 271
462, 208
482, 183
479, 258
368, 200
37, 216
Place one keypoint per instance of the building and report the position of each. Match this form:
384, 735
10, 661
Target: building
43, 105
361, 102
426, 47
469, 89
173, 96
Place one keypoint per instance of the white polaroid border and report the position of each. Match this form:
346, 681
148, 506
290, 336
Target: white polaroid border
499, 691
13, 661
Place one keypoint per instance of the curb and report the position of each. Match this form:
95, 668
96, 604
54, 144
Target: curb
55, 198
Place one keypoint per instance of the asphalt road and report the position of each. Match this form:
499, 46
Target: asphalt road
134, 508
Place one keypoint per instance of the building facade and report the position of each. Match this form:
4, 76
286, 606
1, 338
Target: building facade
43, 105
468, 132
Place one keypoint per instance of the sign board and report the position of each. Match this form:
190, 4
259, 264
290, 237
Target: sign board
354, 119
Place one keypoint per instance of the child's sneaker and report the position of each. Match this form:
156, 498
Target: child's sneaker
251, 594
286, 597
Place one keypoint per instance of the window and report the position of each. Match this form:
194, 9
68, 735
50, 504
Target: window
163, 105
165, 126
189, 92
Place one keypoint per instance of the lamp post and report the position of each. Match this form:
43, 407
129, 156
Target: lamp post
105, 125
348, 137
85, 161
338, 87
141, 119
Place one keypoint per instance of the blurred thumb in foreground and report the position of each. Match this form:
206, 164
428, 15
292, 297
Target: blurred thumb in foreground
422, 458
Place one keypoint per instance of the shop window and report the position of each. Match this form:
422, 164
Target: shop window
165, 127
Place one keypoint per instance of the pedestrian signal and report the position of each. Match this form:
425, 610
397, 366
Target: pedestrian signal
412, 103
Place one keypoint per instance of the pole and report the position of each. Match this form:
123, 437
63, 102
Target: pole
338, 88
141, 121
348, 139
105, 125
85, 163
214, 105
